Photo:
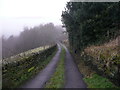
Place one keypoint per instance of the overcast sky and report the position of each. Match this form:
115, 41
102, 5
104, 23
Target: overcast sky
15, 14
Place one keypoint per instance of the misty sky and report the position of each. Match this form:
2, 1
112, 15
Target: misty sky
16, 14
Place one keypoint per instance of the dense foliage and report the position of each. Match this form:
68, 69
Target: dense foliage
90, 23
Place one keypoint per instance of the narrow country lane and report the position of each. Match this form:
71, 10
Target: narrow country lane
42, 77
73, 78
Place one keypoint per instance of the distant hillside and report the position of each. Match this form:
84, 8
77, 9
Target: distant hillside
31, 38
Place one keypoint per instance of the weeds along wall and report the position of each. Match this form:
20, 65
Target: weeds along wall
15, 73
107, 68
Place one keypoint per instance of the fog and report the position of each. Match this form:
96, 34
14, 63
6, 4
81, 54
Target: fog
13, 26
27, 24
16, 14
30, 38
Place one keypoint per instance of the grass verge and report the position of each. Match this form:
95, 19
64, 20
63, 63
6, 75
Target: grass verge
16, 74
57, 80
96, 81
90, 77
